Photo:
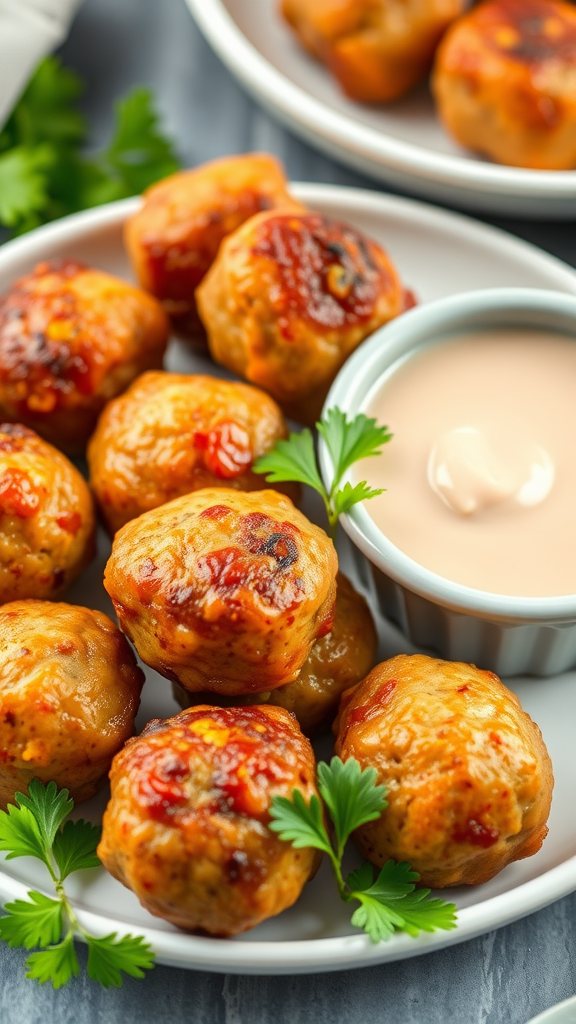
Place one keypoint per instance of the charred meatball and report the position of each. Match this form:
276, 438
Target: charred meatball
289, 297
46, 517
187, 824
505, 82
170, 434
71, 338
224, 590
174, 238
336, 662
468, 775
376, 49
69, 693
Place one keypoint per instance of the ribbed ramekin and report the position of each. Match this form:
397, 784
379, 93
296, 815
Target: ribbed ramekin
508, 635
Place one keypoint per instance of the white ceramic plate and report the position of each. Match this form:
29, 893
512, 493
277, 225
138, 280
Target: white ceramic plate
401, 143
437, 253
562, 1013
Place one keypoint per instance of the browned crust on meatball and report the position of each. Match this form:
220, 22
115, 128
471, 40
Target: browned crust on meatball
505, 82
376, 49
224, 590
335, 663
174, 238
187, 824
47, 519
469, 778
171, 434
71, 338
288, 299
69, 693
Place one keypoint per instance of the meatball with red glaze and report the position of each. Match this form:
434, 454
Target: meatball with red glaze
337, 661
72, 338
69, 693
171, 433
224, 590
468, 776
376, 49
187, 824
47, 518
174, 237
505, 82
288, 299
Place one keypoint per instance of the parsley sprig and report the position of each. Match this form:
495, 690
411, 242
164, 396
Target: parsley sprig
388, 903
43, 172
36, 827
347, 441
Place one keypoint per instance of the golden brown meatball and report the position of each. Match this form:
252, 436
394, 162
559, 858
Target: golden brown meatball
468, 776
224, 590
187, 824
69, 693
170, 434
71, 338
376, 49
46, 517
336, 662
289, 297
505, 82
174, 237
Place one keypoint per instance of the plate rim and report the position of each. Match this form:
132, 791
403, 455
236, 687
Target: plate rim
355, 949
263, 79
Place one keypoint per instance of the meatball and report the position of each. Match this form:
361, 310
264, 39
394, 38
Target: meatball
187, 824
289, 297
46, 517
174, 237
224, 590
468, 776
71, 338
336, 662
170, 434
505, 82
69, 693
376, 49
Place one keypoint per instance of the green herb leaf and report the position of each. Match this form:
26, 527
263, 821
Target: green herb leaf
351, 795
46, 111
56, 964
24, 183
300, 823
393, 902
348, 441
49, 805
350, 495
33, 922
20, 834
292, 460
75, 847
108, 956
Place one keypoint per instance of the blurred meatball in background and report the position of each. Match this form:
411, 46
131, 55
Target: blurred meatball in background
505, 82
69, 693
46, 517
187, 824
170, 434
288, 299
174, 238
224, 590
337, 661
376, 49
71, 338
468, 776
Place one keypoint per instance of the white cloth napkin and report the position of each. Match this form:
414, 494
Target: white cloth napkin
29, 29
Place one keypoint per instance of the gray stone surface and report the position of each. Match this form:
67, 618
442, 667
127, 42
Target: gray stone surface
504, 977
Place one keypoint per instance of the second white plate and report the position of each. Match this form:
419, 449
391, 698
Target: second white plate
437, 254
401, 143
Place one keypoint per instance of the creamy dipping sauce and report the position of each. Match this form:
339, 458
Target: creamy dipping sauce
480, 476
